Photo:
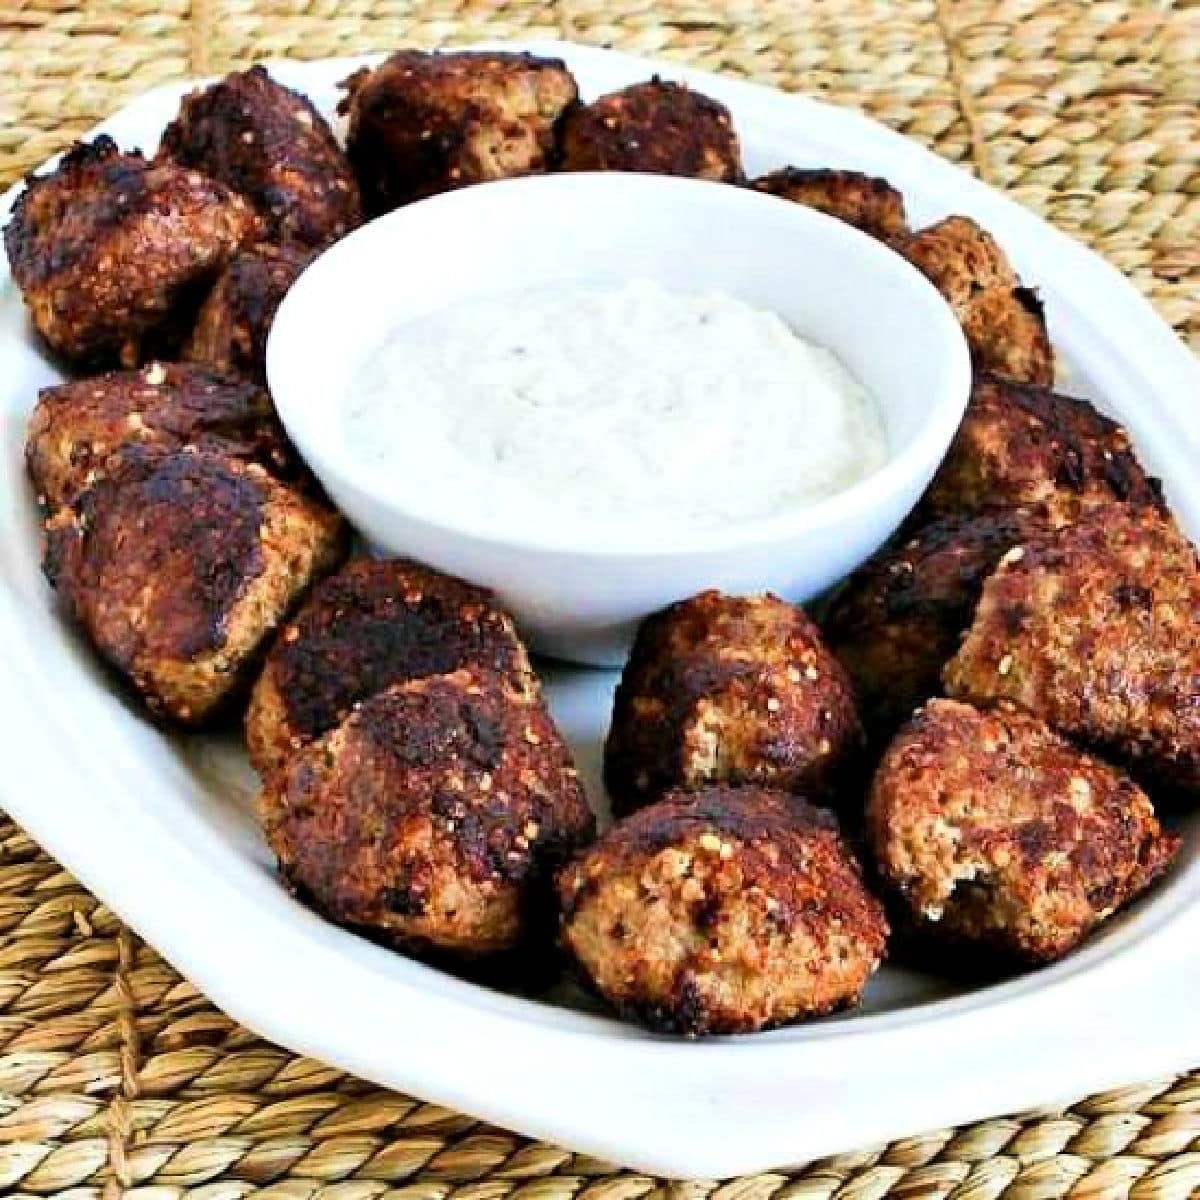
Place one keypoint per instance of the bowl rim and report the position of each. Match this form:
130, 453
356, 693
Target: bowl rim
334, 466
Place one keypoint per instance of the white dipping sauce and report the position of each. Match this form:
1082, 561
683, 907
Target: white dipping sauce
611, 405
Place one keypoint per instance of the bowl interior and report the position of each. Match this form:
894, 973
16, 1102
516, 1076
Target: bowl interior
830, 282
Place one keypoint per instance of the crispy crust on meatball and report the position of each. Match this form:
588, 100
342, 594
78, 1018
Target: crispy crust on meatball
727, 910
994, 832
1006, 332
232, 325
375, 623
179, 564
656, 127
108, 250
76, 427
1003, 321
899, 617
867, 202
1020, 445
1096, 629
270, 144
433, 816
734, 690
423, 123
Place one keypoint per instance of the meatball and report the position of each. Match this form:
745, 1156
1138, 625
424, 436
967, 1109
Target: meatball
231, 328
375, 623
995, 833
1003, 321
270, 144
1096, 629
1022, 445
732, 690
75, 427
656, 127
864, 201
899, 617
726, 910
111, 252
433, 817
423, 123
179, 564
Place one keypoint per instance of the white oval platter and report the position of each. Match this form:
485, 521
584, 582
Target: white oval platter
162, 829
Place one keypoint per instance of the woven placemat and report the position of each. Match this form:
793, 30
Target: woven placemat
116, 1077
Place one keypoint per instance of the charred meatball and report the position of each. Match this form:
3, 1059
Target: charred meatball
1096, 629
76, 427
423, 123
900, 616
996, 834
1003, 321
231, 328
726, 910
732, 690
179, 564
656, 127
112, 252
1027, 446
433, 816
864, 201
270, 144
375, 623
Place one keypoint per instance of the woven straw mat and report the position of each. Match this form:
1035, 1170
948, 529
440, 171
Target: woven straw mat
116, 1077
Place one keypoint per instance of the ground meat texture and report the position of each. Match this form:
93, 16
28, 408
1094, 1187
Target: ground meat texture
995, 833
722, 911
1096, 629
375, 623
864, 201
656, 127
76, 427
728, 689
270, 144
232, 325
112, 253
179, 564
1003, 321
899, 617
423, 123
1020, 445
433, 816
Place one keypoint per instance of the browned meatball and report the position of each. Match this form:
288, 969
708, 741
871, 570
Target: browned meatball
1006, 333
995, 833
424, 123
1096, 629
375, 623
900, 616
1003, 321
656, 127
1020, 445
231, 328
433, 816
864, 201
270, 144
112, 252
733, 690
179, 564
726, 910
75, 427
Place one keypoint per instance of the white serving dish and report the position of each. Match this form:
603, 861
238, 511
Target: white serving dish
163, 830
579, 594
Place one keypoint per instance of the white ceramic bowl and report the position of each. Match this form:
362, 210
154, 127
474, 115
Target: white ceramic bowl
579, 594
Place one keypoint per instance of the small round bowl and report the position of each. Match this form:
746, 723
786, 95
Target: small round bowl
579, 594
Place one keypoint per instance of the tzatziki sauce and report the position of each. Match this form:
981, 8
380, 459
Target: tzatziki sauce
610, 405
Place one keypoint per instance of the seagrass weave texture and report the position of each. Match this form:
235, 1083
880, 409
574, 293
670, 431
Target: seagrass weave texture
116, 1077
